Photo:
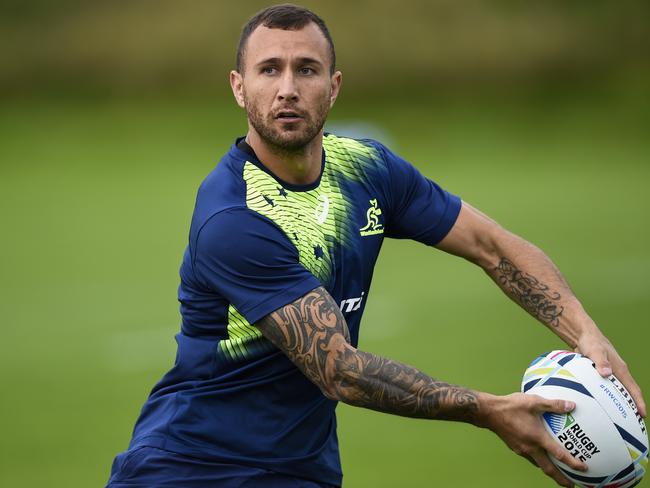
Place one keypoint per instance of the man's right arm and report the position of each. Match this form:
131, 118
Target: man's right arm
313, 334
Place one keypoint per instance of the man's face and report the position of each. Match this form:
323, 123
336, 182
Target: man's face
285, 85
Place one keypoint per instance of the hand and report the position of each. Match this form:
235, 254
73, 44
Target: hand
517, 420
596, 347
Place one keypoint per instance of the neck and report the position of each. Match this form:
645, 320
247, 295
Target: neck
301, 166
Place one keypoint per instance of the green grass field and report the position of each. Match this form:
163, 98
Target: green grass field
96, 200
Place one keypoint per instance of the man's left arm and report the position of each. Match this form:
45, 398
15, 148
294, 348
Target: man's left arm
531, 279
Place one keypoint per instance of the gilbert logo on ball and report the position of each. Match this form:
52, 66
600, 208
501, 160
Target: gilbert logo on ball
605, 430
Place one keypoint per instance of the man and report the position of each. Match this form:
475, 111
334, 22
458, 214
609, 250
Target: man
284, 237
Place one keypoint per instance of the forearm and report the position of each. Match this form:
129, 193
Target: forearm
395, 388
313, 334
522, 271
370, 381
533, 281
529, 277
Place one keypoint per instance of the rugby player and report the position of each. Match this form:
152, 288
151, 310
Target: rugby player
284, 237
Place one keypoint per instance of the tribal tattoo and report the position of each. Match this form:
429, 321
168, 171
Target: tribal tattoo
313, 334
534, 296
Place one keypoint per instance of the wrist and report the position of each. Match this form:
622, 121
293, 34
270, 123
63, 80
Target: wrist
489, 409
576, 326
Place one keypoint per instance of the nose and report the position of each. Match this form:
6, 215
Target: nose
288, 89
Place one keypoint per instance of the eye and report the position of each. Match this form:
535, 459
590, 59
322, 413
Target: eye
268, 70
305, 70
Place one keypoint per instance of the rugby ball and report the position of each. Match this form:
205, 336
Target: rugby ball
605, 430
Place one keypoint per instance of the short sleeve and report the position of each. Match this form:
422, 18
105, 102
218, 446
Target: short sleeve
249, 261
420, 209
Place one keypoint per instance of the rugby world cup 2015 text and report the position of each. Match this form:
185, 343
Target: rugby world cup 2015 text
576, 441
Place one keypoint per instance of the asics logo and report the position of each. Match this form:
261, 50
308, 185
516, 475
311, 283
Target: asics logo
322, 208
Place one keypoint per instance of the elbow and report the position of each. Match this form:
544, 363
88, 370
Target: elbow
488, 258
332, 390
486, 253
490, 247
331, 393
342, 382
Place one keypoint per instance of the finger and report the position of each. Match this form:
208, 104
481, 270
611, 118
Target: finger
601, 360
530, 460
562, 455
623, 374
550, 470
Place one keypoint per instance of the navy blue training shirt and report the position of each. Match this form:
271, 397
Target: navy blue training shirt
256, 244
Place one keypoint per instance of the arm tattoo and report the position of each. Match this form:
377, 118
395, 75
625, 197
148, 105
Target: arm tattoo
304, 330
312, 332
389, 386
534, 296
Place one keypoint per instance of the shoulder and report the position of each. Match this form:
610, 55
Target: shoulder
357, 158
222, 189
365, 151
240, 235
224, 185
355, 148
221, 211
234, 227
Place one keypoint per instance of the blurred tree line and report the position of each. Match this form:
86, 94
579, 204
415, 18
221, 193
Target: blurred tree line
187, 46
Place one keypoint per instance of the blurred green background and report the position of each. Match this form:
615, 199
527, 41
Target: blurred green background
111, 114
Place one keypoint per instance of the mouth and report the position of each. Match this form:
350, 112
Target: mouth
288, 116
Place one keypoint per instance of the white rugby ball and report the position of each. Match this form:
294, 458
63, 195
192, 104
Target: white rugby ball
605, 430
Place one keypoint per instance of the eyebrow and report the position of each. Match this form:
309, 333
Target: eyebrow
303, 60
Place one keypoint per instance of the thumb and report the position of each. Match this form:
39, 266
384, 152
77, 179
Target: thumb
557, 406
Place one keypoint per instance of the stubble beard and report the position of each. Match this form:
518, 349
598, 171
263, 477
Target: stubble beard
291, 140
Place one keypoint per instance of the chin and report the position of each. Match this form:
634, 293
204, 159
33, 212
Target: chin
290, 140
292, 144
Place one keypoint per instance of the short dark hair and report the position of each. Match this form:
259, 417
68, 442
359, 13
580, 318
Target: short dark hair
287, 17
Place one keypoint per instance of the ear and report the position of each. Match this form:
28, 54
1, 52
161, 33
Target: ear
237, 85
336, 80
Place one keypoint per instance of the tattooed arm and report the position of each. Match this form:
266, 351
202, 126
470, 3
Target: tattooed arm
531, 279
313, 334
